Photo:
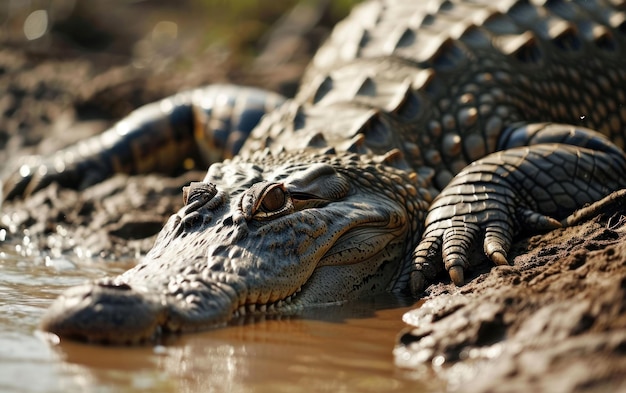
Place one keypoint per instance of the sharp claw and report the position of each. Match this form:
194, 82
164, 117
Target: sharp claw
456, 274
499, 258
417, 283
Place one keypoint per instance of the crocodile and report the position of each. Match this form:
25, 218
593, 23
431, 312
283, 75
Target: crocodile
422, 130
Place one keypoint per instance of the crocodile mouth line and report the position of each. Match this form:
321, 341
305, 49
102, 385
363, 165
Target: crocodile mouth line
288, 304
367, 242
282, 305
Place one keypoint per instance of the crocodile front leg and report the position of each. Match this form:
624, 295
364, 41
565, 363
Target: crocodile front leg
198, 126
542, 173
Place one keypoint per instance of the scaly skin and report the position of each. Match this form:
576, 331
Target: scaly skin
304, 234
493, 104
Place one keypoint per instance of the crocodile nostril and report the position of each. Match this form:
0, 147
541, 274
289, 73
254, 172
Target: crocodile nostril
198, 192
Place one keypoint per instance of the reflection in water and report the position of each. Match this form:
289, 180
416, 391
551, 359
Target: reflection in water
339, 348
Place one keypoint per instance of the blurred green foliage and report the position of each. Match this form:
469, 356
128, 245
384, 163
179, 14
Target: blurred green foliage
237, 8
241, 23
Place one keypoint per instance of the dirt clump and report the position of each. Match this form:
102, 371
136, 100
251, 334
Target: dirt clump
554, 321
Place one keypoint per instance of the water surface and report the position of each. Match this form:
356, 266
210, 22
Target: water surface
336, 349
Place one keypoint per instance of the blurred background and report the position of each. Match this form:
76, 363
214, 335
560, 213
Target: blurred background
69, 68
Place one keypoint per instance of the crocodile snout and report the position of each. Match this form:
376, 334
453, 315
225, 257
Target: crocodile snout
105, 312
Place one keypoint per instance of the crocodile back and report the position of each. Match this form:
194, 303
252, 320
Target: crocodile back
441, 80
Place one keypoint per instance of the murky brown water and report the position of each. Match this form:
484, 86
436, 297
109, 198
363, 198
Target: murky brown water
335, 349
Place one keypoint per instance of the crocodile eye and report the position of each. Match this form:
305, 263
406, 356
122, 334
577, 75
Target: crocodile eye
266, 201
273, 200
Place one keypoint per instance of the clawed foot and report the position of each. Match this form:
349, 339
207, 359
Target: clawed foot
468, 214
452, 239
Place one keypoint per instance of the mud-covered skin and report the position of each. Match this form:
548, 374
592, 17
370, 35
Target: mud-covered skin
513, 90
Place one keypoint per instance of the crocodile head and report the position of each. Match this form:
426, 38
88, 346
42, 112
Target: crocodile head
267, 234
